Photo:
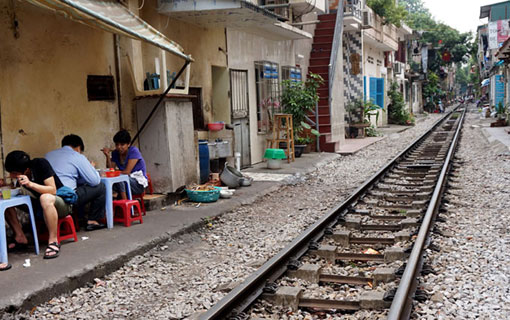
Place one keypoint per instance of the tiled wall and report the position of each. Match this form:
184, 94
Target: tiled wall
353, 83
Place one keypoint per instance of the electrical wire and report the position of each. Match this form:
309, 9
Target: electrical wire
143, 3
310, 7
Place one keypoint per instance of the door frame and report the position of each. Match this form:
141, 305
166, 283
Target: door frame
247, 116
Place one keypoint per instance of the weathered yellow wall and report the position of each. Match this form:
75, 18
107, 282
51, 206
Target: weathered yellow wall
43, 76
220, 98
201, 43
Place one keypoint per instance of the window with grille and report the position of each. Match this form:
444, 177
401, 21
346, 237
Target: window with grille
239, 93
267, 80
291, 73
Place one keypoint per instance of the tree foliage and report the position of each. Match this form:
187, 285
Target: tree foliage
443, 38
389, 11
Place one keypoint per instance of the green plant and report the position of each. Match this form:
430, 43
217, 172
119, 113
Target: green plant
307, 134
371, 131
500, 108
397, 108
361, 111
391, 12
299, 98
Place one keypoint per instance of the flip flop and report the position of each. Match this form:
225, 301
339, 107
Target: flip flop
7, 267
18, 247
50, 249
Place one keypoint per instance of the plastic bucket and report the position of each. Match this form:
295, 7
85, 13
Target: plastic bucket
274, 163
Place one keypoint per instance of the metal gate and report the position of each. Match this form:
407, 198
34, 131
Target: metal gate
240, 114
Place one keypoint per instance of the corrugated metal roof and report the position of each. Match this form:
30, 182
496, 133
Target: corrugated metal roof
113, 17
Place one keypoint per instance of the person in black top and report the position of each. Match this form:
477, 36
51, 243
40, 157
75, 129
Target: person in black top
39, 181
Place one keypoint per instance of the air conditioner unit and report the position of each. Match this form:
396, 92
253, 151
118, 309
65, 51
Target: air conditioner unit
368, 18
397, 67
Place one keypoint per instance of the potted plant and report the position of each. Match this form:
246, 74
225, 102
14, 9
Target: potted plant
306, 138
500, 109
359, 113
299, 99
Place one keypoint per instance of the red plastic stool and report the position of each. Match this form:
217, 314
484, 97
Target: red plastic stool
124, 208
149, 181
139, 197
66, 230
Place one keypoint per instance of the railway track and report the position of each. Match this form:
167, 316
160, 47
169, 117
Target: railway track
367, 252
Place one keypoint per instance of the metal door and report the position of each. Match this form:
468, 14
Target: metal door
240, 114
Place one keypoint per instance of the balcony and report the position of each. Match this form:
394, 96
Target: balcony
352, 11
240, 15
380, 36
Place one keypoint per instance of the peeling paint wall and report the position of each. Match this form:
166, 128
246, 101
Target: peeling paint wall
244, 49
43, 82
203, 44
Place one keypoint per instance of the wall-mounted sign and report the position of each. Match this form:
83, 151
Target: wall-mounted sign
355, 60
499, 31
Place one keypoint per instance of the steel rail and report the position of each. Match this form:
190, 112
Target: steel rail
401, 305
247, 292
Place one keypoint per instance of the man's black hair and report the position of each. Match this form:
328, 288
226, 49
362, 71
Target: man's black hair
122, 137
73, 141
17, 161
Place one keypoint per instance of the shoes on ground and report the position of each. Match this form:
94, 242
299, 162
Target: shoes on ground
92, 227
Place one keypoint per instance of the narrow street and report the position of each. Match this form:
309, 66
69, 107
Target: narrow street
189, 274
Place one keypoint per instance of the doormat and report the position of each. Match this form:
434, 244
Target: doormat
275, 177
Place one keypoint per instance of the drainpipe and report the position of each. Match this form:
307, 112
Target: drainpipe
116, 49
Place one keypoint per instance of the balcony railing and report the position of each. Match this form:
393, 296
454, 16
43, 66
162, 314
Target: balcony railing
352, 8
278, 7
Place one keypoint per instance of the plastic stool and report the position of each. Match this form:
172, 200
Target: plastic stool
139, 197
149, 181
13, 202
125, 207
66, 229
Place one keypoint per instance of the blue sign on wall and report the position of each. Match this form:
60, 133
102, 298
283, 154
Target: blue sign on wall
499, 94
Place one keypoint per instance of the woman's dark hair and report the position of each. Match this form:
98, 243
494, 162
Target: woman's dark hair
17, 161
122, 137
73, 141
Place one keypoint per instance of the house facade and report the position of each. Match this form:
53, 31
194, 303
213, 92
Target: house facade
51, 66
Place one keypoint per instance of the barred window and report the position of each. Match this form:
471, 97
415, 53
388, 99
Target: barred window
267, 80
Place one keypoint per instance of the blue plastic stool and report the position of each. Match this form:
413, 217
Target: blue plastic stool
13, 202
108, 183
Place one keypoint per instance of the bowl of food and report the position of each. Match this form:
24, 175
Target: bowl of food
111, 174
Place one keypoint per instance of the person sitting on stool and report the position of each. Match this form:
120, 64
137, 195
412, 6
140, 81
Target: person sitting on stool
77, 173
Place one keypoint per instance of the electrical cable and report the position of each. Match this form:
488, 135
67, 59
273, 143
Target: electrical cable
143, 3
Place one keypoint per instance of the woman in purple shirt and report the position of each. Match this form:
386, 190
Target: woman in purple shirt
130, 161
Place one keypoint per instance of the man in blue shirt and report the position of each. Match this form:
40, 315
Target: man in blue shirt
76, 172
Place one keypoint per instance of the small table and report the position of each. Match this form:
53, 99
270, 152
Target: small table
13, 202
108, 183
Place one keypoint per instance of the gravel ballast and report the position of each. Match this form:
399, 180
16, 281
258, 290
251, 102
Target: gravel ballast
472, 268
190, 273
